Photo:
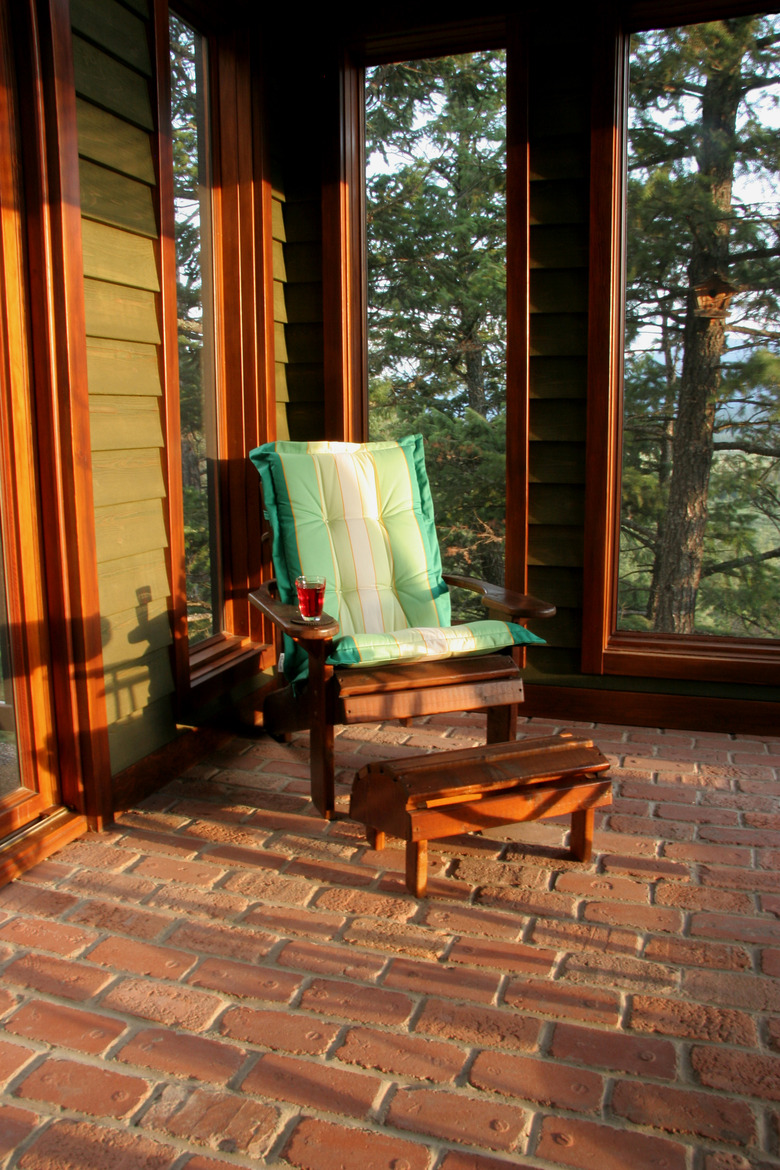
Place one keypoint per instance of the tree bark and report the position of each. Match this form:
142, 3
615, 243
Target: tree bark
682, 542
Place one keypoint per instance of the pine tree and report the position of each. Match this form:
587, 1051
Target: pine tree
701, 477
436, 216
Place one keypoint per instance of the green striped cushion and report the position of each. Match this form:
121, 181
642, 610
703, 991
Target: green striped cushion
439, 642
362, 515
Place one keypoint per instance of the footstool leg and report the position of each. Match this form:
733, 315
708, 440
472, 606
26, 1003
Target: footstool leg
417, 868
375, 838
582, 834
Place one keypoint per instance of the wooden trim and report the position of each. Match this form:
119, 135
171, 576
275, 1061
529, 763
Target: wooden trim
63, 434
517, 307
604, 321
260, 630
234, 365
242, 282
604, 649
647, 14
169, 358
21, 561
408, 37
244, 315
210, 660
38, 842
344, 263
643, 709
702, 657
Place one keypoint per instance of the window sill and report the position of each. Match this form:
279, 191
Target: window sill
694, 658
212, 659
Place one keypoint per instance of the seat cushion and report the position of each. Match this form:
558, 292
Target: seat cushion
412, 645
361, 514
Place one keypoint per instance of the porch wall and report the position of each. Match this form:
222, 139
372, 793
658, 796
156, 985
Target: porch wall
116, 120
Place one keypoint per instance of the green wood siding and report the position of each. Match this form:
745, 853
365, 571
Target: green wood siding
297, 230
116, 474
280, 307
112, 27
121, 581
122, 307
120, 256
107, 139
150, 725
112, 85
122, 367
115, 199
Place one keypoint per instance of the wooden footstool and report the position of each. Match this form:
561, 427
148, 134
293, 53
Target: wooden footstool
422, 798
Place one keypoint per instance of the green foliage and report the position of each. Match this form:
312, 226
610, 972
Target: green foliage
702, 204
436, 219
198, 562
188, 126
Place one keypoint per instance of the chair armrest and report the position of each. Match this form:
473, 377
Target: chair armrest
283, 616
503, 601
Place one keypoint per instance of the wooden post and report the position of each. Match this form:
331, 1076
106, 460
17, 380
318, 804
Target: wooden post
376, 838
501, 724
581, 836
417, 868
321, 738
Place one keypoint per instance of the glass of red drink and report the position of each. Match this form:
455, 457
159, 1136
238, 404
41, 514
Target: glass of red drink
311, 595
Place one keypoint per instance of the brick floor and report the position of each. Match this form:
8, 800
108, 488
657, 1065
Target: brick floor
224, 980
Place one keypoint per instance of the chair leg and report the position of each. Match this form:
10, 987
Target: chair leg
502, 723
417, 868
581, 836
376, 838
323, 785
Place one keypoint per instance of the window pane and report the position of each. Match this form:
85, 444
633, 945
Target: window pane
192, 204
700, 520
436, 228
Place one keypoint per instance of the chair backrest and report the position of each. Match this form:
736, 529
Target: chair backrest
362, 515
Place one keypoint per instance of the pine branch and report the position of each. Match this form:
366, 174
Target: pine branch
740, 562
748, 449
646, 537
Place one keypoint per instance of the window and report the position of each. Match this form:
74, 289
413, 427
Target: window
690, 489
436, 247
217, 292
195, 315
360, 371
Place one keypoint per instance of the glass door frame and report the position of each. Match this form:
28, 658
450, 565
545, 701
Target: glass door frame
45, 474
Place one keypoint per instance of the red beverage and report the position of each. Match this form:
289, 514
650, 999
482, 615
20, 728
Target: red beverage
311, 596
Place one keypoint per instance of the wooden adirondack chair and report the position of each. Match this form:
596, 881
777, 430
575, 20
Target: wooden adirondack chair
361, 514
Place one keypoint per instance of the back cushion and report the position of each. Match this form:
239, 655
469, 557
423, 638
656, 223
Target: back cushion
361, 513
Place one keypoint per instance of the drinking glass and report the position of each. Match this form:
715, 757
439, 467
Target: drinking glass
311, 595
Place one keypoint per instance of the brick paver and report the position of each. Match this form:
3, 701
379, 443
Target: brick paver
223, 979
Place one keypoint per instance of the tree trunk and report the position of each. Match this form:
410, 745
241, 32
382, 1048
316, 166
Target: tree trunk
475, 377
682, 542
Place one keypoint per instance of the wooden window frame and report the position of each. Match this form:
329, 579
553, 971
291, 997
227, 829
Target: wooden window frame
52, 473
244, 357
344, 246
606, 650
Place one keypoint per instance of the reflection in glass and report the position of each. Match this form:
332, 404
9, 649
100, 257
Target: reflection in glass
192, 206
